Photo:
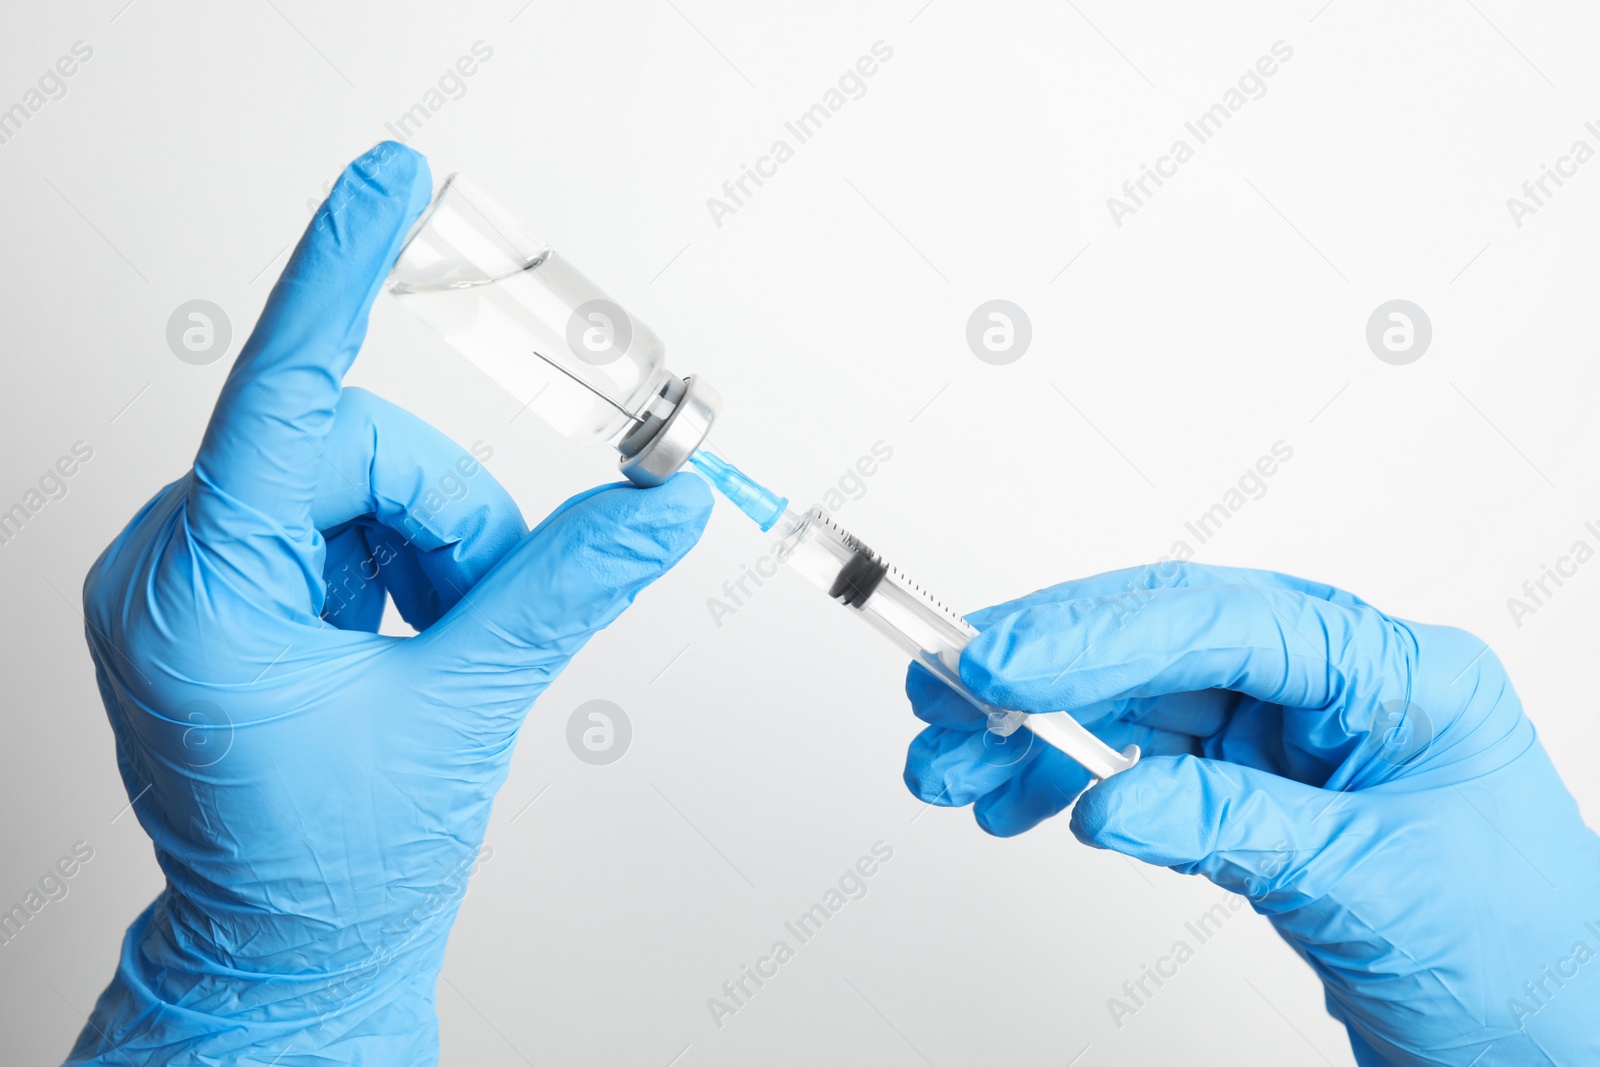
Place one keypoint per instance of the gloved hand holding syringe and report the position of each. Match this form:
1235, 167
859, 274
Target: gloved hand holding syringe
574, 357
835, 561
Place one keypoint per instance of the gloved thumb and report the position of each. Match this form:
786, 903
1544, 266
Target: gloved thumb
576, 572
1251, 832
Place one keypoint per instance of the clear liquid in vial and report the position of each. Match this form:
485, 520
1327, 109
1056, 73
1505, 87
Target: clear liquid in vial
498, 324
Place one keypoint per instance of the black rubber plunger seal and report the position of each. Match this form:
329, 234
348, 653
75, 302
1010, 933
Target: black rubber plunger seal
859, 578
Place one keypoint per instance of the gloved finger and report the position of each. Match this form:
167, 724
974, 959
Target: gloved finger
357, 606
1251, 832
264, 447
953, 768
1192, 715
1126, 589
1278, 646
398, 565
938, 705
454, 517
390, 564
570, 577
1125, 592
1045, 786
1227, 725
1198, 714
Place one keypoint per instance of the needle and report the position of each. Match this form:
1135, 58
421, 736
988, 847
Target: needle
586, 385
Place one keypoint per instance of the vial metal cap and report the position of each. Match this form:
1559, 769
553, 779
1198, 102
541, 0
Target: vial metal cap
661, 445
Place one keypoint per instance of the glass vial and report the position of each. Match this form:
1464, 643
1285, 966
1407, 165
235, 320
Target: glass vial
509, 303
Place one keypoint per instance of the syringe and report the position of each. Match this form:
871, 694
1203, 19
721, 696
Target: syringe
837, 562
548, 335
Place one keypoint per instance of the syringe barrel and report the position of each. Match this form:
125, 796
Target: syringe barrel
834, 560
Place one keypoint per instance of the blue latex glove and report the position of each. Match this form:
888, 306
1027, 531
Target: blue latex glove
1371, 785
317, 794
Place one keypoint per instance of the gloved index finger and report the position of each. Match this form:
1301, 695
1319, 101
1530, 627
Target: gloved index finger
263, 446
1128, 587
1277, 645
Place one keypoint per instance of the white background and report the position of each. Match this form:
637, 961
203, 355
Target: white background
1227, 314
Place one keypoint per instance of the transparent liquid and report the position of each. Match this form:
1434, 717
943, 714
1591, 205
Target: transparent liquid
498, 324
